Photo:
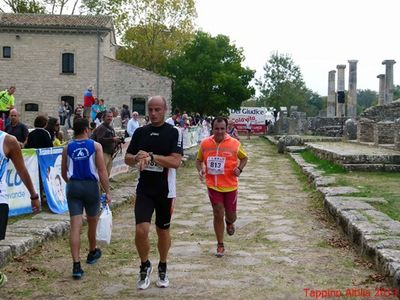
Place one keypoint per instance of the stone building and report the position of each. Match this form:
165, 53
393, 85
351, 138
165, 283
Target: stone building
50, 58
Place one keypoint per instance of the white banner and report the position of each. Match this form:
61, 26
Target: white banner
17, 194
256, 115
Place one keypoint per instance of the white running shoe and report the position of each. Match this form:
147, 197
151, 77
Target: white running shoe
162, 281
144, 277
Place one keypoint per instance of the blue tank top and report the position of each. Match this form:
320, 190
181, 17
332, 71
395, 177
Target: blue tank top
81, 160
3, 164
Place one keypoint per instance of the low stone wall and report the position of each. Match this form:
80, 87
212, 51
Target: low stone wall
384, 132
387, 112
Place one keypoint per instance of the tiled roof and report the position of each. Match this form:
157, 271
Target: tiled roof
55, 21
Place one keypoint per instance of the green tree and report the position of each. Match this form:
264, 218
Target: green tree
314, 104
152, 30
396, 92
209, 77
24, 6
282, 84
365, 99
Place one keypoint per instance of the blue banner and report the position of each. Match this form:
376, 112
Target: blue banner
49, 160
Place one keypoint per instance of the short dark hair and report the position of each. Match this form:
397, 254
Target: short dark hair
40, 121
80, 125
219, 120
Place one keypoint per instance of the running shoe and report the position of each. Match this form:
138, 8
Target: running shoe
220, 250
93, 256
3, 279
77, 271
144, 277
230, 228
162, 281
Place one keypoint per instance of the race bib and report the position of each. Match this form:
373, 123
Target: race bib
215, 165
153, 167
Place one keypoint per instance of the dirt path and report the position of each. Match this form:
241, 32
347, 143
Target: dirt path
283, 245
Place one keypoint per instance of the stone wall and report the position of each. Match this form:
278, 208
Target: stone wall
122, 82
387, 112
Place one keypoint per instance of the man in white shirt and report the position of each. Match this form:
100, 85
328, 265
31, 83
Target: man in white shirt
133, 123
171, 120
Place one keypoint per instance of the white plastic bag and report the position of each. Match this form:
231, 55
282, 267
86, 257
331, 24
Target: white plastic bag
104, 227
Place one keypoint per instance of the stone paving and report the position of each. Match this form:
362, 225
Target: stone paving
285, 247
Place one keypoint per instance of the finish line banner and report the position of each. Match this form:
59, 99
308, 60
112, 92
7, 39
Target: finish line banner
256, 115
53, 184
17, 194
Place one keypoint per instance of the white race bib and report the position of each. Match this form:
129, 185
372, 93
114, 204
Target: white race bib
215, 165
153, 167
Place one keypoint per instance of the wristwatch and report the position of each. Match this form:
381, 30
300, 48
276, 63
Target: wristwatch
151, 157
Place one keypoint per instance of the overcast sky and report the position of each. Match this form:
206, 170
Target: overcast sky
318, 34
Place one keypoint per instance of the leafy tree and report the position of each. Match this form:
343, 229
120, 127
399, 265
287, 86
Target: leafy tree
315, 103
365, 99
24, 6
282, 84
209, 77
396, 92
40, 6
152, 30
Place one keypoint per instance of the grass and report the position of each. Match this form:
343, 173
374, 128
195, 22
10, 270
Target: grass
322, 164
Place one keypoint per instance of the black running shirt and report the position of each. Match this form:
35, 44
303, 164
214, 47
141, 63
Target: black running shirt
161, 140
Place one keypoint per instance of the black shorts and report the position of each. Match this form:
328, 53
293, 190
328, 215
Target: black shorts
145, 206
3, 220
83, 194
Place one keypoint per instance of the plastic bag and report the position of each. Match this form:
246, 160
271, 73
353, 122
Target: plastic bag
104, 226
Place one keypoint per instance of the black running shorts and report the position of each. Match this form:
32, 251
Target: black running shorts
83, 194
145, 206
3, 220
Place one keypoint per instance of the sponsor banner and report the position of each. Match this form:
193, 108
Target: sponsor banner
190, 136
118, 164
53, 184
256, 115
16, 193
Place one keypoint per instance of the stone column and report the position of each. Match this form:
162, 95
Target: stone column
381, 98
352, 96
340, 91
331, 105
388, 80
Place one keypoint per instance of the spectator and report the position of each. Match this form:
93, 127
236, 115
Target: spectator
16, 128
231, 130
39, 137
52, 126
6, 103
133, 123
78, 113
172, 120
102, 105
125, 115
68, 110
62, 113
105, 135
88, 101
95, 109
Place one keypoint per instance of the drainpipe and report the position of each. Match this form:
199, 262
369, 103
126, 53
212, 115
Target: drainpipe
98, 65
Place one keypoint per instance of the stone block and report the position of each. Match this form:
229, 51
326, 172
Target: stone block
384, 132
5, 254
350, 129
365, 130
18, 244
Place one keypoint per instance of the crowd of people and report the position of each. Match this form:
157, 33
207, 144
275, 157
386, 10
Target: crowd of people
155, 148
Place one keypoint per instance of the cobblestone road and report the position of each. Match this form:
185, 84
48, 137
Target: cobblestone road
283, 245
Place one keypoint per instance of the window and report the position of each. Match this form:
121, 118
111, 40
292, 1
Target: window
67, 63
139, 105
31, 107
6, 52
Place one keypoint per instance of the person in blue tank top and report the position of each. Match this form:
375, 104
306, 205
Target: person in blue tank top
10, 149
82, 167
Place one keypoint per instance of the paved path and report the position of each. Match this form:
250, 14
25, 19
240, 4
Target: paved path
284, 244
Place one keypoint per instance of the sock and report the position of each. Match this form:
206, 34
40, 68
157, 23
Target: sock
162, 266
146, 264
76, 264
93, 252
